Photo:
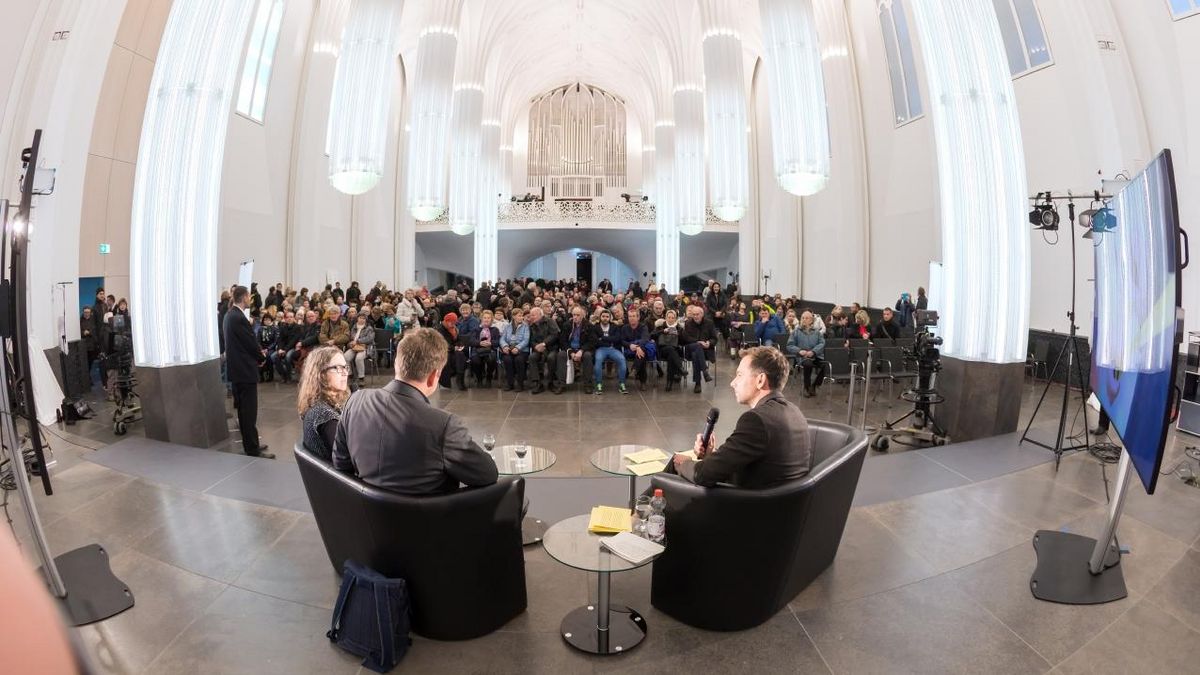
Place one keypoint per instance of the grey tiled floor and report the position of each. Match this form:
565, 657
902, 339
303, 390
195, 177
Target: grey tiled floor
932, 574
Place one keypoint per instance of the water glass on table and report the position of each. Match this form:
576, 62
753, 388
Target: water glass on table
642, 509
522, 449
489, 443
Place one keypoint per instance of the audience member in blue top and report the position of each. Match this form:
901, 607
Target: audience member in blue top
514, 350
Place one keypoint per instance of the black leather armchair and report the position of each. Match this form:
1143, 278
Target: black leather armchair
735, 557
460, 554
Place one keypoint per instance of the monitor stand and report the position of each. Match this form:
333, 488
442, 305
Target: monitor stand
1077, 570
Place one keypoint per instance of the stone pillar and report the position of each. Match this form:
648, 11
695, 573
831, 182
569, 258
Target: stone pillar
982, 399
184, 404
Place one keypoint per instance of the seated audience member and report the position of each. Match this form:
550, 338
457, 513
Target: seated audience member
887, 327
608, 345
818, 322
768, 324
770, 444
636, 339
324, 389
484, 344
456, 351
543, 349
514, 350
362, 341
699, 337
334, 331
268, 340
666, 337
577, 344
790, 321
394, 439
808, 344
860, 329
307, 337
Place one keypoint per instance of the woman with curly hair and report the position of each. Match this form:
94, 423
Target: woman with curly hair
324, 388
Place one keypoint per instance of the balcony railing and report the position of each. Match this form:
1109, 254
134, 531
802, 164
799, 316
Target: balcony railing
581, 212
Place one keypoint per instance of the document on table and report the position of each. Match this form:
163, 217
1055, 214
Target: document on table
690, 454
632, 547
647, 468
609, 520
647, 455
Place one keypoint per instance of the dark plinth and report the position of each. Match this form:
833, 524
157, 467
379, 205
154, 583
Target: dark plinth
184, 404
982, 399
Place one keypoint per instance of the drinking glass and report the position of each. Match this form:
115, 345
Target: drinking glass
642, 508
489, 442
522, 449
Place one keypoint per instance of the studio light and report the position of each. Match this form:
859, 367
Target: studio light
1044, 215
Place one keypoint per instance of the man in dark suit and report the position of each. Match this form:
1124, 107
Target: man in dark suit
770, 444
394, 439
242, 358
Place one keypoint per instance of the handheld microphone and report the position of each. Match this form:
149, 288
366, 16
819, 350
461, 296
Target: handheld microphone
713, 414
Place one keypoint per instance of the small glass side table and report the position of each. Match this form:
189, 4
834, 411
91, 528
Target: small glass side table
612, 460
508, 464
601, 628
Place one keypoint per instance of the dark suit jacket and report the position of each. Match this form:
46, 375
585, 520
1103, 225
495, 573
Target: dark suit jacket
242, 353
394, 439
769, 446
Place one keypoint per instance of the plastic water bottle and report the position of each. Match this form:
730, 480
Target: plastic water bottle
656, 526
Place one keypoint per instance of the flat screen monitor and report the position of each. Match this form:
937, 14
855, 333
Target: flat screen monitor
1136, 330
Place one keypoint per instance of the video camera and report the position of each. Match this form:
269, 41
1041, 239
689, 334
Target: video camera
925, 344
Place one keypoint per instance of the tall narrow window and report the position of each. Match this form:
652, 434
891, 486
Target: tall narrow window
906, 94
260, 56
1024, 38
1182, 8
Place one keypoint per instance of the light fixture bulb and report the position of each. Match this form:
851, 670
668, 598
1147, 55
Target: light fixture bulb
426, 213
802, 183
730, 213
354, 182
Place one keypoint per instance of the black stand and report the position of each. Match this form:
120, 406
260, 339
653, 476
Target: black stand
1071, 351
603, 628
1076, 570
81, 579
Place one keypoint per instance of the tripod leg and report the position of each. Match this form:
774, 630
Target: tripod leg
1045, 390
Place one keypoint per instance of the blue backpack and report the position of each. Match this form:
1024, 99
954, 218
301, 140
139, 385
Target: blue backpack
371, 617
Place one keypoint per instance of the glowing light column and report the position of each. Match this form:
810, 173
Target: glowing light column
432, 103
666, 255
725, 111
981, 174
361, 101
688, 101
177, 186
796, 89
465, 171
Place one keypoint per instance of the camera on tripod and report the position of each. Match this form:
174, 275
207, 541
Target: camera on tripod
925, 344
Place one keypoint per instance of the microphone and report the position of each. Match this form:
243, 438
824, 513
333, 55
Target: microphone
713, 414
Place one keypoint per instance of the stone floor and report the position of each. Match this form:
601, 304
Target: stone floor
932, 574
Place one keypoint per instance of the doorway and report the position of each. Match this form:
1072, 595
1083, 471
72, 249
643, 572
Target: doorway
583, 267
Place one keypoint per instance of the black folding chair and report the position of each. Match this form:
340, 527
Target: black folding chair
384, 348
840, 368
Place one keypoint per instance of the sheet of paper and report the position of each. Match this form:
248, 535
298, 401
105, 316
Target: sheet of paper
647, 468
609, 519
632, 547
690, 454
647, 455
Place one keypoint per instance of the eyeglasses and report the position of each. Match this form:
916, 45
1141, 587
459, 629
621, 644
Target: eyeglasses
341, 370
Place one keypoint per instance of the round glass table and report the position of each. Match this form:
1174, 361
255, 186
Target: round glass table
613, 460
601, 628
509, 463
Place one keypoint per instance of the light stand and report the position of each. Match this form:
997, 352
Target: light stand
81, 579
1071, 351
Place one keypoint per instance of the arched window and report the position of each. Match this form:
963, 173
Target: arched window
897, 42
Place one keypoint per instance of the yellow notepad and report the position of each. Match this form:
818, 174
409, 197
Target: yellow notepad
690, 454
646, 468
609, 520
647, 455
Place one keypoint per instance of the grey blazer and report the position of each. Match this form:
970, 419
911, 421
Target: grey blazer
394, 439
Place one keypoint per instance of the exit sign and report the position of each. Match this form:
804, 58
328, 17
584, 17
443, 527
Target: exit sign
104, 249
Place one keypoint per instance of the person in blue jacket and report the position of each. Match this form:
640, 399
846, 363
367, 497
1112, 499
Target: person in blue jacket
768, 325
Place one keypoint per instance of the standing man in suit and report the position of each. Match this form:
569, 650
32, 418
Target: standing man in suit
394, 439
242, 359
770, 444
